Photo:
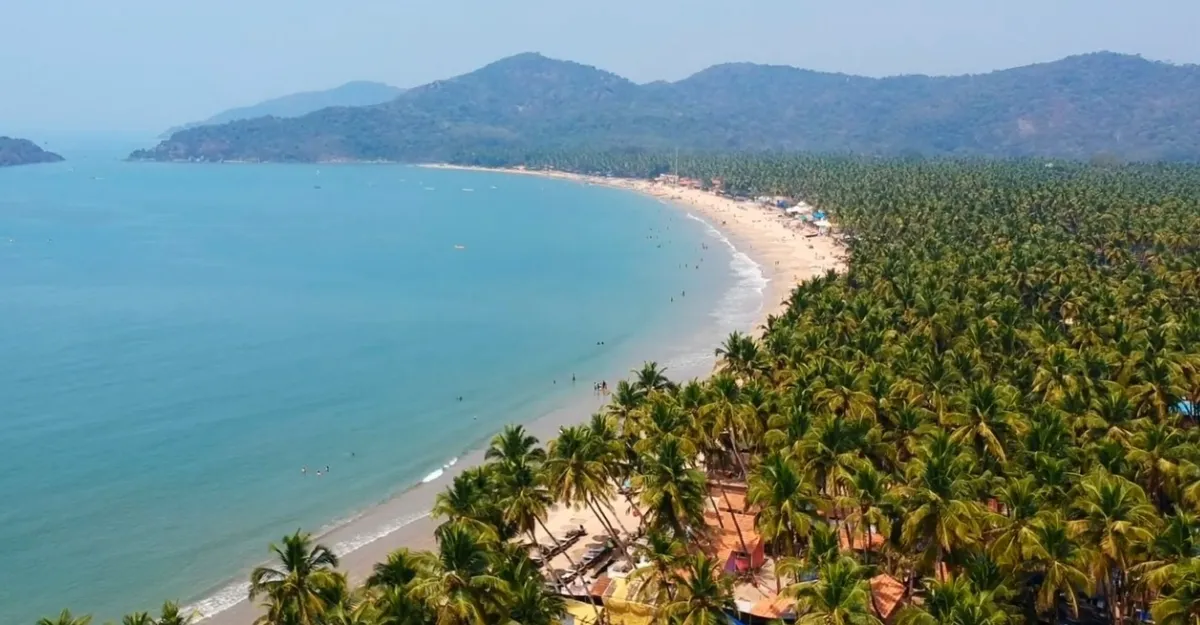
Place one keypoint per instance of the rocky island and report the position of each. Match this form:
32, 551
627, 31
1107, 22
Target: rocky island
24, 152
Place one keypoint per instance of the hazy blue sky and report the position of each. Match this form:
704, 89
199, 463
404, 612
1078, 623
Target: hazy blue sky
143, 65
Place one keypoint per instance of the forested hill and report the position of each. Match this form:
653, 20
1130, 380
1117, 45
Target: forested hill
357, 93
1102, 104
24, 152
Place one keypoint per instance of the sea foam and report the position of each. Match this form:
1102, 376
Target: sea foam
236, 592
742, 304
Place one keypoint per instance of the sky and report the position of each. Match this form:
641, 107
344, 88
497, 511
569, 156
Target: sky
140, 66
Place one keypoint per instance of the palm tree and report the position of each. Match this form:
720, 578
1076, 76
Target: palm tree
1114, 520
470, 499
396, 571
704, 597
1181, 605
525, 502
171, 615
301, 586
984, 419
577, 475
664, 553
941, 601
840, 595
726, 416
66, 618
353, 613
741, 356
869, 500
787, 506
672, 490
395, 605
137, 618
1156, 449
651, 378
1013, 534
1061, 564
515, 446
455, 582
532, 605
1177, 544
943, 513
833, 451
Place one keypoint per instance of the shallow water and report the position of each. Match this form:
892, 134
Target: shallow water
180, 341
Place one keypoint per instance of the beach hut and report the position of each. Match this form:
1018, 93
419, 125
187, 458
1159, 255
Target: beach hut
888, 594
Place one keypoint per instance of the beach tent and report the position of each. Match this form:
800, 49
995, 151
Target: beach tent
819, 214
822, 223
795, 210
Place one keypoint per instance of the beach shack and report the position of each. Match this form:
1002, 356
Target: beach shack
888, 595
623, 604
580, 613
734, 541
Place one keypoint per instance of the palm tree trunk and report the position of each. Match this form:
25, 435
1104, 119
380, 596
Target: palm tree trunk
570, 560
557, 545
553, 573
737, 453
611, 532
849, 531
870, 541
720, 521
741, 539
937, 565
615, 516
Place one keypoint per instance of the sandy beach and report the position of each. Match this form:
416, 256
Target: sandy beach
772, 240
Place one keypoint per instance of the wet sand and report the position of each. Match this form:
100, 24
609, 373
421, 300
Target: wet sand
770, 239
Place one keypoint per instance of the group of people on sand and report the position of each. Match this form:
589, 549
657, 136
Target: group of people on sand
600, 387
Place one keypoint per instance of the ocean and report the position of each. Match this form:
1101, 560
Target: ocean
187, 346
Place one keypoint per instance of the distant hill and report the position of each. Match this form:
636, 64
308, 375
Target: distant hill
1114, 105
24, 152
358, 93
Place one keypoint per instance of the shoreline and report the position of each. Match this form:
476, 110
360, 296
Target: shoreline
783, 257
786, 256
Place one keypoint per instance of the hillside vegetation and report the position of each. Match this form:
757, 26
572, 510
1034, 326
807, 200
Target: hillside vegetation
1102, 105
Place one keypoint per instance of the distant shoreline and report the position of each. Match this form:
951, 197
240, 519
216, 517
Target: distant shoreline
785, 258
785, 254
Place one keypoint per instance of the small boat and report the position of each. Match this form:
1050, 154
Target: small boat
460, 247
467, 190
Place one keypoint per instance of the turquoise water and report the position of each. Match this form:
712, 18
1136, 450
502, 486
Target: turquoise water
180, 340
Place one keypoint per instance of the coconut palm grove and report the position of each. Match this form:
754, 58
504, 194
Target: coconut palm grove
987, 418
